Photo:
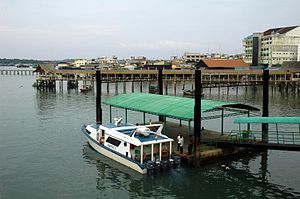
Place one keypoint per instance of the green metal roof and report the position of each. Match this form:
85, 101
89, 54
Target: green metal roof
269, 120
168, 106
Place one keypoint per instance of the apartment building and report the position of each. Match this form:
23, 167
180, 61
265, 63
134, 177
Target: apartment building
272, 47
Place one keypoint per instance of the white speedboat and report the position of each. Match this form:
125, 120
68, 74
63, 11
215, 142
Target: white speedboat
141, 148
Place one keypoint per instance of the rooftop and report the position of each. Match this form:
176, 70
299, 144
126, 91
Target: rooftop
222, 63
281, 30
169, 106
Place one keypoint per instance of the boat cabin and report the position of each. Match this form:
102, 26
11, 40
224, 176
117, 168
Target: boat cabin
139, 143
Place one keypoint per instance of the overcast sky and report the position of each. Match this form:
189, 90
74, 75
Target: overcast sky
59, 29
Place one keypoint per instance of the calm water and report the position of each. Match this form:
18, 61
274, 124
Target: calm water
44, 155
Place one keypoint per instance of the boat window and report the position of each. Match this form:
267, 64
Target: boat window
88, 131
125, 143
113, 141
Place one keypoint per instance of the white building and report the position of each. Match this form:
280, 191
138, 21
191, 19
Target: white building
272, 47
193, 57
80, 62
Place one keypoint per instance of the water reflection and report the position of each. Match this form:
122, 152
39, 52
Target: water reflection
209, 181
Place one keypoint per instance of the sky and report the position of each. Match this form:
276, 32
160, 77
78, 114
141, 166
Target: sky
156, 29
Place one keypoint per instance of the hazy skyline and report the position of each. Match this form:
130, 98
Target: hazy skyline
60, 29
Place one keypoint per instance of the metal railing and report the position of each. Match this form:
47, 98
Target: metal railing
274, 137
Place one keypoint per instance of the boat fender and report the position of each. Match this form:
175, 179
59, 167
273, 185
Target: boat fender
101, 140
144, 156
164, 153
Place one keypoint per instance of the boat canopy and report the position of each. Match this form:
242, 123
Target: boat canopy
269, 120
169, 106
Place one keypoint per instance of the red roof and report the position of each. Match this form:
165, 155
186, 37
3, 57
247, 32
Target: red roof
223, 63
39, 70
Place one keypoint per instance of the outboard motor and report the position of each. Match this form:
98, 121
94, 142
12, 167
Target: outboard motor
150, 165
157, 164
164, 164
177, 160
171, 163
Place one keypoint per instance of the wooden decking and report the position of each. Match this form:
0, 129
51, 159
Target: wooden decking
205, 152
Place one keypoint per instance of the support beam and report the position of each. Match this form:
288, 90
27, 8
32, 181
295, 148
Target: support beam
126, 116
142, 154
160, 145
98, 98
110, 116
160, 89
265, 112
197, 109
152, 156
222, 121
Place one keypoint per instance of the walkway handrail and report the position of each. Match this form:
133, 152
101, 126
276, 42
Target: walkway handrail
277, 137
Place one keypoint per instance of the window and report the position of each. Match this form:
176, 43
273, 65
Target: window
113, 141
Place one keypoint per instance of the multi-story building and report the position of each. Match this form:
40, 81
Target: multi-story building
80, 62
193, 57
189, 57
272, 47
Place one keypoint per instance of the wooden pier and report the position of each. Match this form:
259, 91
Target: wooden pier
210, 79
16, 71
289, 80
207, 150
215, 146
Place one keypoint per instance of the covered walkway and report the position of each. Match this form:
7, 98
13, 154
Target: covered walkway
176, 107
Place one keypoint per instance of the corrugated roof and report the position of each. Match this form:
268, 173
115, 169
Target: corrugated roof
168, 106
224, 63
269, 120
281, 30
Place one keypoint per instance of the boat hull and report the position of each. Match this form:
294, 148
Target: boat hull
114, 155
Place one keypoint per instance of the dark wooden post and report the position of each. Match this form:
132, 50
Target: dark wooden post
265, 112
197, 109
98, 98
160, 89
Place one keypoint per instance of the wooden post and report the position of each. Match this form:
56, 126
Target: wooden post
197, 109
124, 87
98, 98
160, 90
265, 105
116, 87
222, 121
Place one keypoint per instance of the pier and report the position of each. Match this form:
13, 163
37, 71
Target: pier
16, 71
210, 79
284, 80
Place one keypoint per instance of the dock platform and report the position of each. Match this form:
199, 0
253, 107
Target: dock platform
205, 152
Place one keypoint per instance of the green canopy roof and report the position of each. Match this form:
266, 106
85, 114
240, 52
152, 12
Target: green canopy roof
168, 106
269, 120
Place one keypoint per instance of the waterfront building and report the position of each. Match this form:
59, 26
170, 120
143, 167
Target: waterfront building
80, 62
272, 47
222, 64
63, 65
193, 57
190, 57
